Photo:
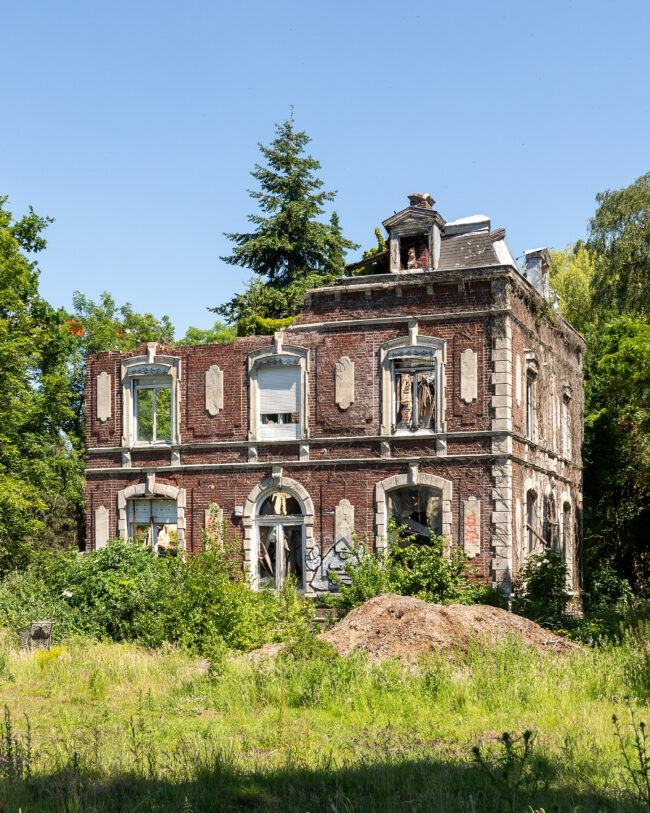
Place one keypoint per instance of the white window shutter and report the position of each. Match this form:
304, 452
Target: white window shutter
279, 389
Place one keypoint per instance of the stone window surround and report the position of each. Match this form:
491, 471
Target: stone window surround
531, 375
277, 353
398, 348
151, 489
154, 366
413, 478
429, 229
275, 482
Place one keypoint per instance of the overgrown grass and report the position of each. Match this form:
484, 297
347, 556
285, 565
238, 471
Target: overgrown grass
116, 727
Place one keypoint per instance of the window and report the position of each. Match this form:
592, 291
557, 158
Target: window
414, 394
280, 532
152, 401
566, 530
279, 398
531, 499
530, 405
153, 523
551, 535
417, 510
566, 431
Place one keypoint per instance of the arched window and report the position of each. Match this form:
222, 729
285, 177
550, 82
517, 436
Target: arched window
153, 523
280, 539
417, 510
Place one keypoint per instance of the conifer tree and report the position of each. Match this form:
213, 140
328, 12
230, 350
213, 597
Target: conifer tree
289, 249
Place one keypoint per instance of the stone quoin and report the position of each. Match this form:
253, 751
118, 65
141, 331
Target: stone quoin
441, 387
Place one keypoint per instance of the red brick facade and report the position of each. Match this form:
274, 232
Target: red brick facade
477, 451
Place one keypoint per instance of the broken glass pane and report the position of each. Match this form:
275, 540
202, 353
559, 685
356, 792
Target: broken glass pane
293, 552
415, 394
418, 510
267, 555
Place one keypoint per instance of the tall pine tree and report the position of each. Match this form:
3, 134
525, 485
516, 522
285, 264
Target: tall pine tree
290, 249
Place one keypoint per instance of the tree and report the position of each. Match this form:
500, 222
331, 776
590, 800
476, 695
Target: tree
617, 449
39, 471
620, 243
290, 249
572, 272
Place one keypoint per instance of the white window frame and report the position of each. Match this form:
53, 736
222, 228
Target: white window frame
415, 347
132, 524
156, 384
275, 355
141, 368
278, 521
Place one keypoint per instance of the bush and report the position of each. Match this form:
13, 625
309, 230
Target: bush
124, 592
540, 586
607, 588
427, 572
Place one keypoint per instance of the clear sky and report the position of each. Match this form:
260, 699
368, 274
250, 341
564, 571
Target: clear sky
135, 124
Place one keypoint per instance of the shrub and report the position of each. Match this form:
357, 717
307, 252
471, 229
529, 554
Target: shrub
539, 587
428, 572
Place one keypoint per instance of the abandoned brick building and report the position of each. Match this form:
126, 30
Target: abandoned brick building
444, 389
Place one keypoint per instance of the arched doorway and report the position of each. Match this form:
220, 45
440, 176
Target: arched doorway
280, 526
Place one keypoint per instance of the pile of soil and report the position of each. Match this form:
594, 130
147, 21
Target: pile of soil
401, 626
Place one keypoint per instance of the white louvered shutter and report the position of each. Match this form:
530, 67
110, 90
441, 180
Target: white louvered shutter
279, 391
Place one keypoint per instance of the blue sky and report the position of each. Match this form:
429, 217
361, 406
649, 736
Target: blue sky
135, 124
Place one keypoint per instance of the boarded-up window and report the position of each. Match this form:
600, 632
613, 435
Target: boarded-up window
279, 396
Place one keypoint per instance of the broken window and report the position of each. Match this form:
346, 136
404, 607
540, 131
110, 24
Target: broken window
280, 538
153, 410
551, 527
414, 252
417, 512
415, 393
566, 530
152, 523
566, 431
531, 508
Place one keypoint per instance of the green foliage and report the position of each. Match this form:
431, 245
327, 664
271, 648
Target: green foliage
254, 325
636, 754
620, 242
428, 572
365, 270
38, 469
617, 449
516, 772
124, 592
288, 247
540, 586
572, 272
307, 646
218, 333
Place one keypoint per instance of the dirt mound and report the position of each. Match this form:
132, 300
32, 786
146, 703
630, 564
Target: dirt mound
390, 625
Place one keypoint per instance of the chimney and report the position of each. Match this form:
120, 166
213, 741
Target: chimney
538, 266
421, 200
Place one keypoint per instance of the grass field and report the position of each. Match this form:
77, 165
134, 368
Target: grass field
115, 727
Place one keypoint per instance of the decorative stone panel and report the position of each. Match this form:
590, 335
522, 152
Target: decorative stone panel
472, 526
102, 532
103, 397
468, 375
344, 521
344, 382
213, 390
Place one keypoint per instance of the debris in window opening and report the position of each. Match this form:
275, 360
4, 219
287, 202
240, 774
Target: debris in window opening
415, 389
419, 509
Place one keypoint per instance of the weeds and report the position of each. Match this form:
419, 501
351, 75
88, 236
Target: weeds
516, 772
636, 755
